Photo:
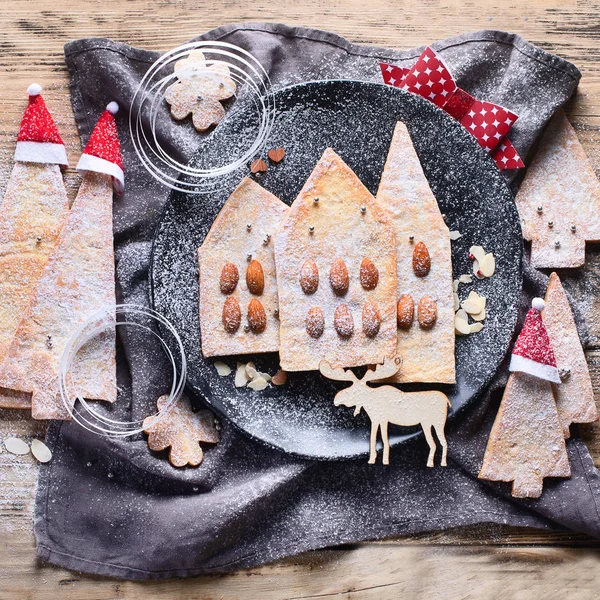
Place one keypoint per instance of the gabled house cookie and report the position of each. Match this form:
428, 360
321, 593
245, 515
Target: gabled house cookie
425, 335
336, 273
238, 287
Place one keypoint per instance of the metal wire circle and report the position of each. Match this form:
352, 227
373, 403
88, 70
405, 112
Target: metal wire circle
249, 76
87, 414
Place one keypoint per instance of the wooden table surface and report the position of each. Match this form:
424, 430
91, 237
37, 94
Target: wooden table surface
482, 562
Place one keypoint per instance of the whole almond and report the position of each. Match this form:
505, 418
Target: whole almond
343, 321
427, 312
421, 260
257, 317
371, 319
369, 274
315, 322
276, 154
309, 277
255, 278
405, 311
338, 277
232, 314
229, 278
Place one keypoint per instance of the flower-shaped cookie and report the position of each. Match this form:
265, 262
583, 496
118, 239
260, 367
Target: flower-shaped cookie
199, 90
182, 430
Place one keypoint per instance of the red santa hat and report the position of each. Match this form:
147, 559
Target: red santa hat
533, 352
39, 140
103, 151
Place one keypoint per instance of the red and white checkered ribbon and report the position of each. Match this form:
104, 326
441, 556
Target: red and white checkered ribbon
489, 123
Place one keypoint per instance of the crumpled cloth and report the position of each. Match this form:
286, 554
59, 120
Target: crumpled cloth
115, 508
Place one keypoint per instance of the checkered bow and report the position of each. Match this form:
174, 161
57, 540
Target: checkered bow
489, 123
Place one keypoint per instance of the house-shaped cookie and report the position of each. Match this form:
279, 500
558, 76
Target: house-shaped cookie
238, 287
336, 273
424, 266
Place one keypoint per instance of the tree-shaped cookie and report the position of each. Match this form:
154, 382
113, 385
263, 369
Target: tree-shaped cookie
526, 443
200, 88
574, 396
182, 430
559, 199
77, 282
32, 214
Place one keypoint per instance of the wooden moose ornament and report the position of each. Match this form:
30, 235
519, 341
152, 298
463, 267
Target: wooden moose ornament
388, 404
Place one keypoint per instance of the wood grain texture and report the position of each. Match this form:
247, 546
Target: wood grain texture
481, 562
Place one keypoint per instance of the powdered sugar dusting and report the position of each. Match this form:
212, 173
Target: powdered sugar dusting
357, 120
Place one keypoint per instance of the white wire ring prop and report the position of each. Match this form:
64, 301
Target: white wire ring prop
248, 75
85, 413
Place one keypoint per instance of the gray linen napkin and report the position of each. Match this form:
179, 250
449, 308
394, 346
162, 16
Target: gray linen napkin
115, 508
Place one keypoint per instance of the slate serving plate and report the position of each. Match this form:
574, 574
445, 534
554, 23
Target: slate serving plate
357, 120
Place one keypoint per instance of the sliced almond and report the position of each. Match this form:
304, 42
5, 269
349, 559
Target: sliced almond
223, 369
456, 302
466, 278
16, 446
258, 384
455, 235
476, 270
470, 307
476, 327
251, 370
488, 265
241, 376
477, 252
41, 451
461, 326
478, 301
479, 316
461, 314
265, 376
455, 284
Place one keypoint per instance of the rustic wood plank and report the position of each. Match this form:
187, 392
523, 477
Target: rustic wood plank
486, 561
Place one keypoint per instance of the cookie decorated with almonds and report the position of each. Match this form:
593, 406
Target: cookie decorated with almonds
239, 306
182, 430
200, 88
336, 273
424, 265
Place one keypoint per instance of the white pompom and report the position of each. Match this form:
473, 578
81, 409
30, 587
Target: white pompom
112, 108
538, 304
35, 89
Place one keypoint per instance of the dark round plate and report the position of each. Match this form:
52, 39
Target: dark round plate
357, 120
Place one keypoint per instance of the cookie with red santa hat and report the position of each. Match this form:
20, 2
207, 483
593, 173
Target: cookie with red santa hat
39, 140
103, 151
533, 353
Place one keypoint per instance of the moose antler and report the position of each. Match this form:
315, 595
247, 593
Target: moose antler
338, 374
389, 367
